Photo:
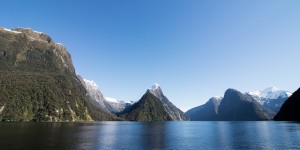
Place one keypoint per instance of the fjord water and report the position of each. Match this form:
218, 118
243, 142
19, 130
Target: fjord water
151, 135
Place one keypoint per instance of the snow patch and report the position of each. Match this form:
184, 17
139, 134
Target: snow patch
255, 93
218, 97
112, 100
154, 87
17, 32
92, 84
33, 30
130, 102
60, 44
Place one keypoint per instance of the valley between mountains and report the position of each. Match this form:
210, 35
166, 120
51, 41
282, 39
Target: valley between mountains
39, 83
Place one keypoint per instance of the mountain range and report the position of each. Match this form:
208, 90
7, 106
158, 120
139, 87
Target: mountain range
38, 82
258, 105
207, 111
110, 105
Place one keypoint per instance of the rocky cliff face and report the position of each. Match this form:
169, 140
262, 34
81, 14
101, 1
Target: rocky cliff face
93, 91
237, 106
38, 80
109, 105
29, 50
170, 108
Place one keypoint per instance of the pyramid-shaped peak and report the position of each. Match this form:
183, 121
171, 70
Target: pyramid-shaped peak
156, 91
155, 86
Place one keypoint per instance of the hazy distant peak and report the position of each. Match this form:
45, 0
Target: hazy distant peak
272, 89
216, 100
270, 93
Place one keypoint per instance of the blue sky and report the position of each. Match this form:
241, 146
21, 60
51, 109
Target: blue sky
194, 49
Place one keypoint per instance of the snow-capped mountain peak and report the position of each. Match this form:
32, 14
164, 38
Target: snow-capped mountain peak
270, 93
154, 87
156, 91
271, 99
91, 84
108, 104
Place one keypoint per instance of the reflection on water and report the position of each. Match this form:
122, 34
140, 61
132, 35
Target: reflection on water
154, 135
151, 135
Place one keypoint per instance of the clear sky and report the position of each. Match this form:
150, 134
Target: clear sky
194, 49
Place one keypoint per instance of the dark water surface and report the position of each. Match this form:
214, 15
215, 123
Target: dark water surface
150, 135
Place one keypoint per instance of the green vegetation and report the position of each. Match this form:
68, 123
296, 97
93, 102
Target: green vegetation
149, 108
38, 82
40, 98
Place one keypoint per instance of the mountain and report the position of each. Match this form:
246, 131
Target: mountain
148, 108
205, 112
38, 80
271, 99
171, 109
110, 105
97, 98
153, 106
236, 106
290, 110
116, 106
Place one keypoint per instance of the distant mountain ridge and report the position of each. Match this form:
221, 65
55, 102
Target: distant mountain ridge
110, 105
270, 93
266, 102
271, 99
207, 111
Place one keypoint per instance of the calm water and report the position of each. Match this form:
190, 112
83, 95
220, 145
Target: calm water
155, 135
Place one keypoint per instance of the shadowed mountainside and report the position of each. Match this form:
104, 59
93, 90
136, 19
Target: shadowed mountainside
290, 110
